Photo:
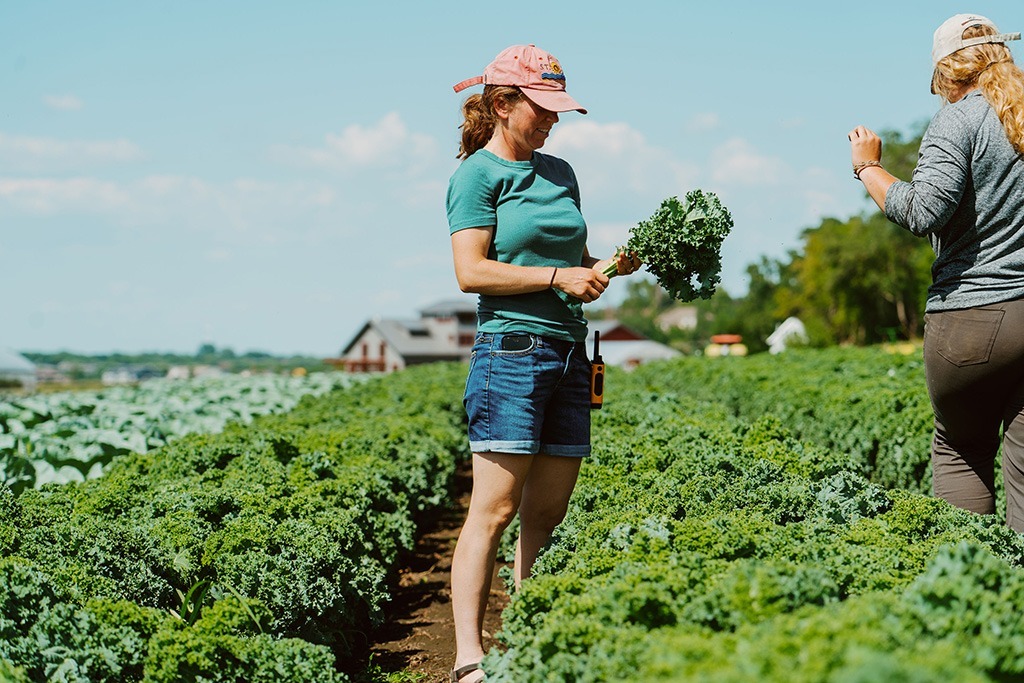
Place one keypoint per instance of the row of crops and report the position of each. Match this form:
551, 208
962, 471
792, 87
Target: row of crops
263, 553
866, 404
740, 519
72, 436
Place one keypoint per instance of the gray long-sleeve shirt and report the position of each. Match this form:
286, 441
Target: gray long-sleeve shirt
967, 197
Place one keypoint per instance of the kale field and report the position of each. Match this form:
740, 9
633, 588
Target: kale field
762, 518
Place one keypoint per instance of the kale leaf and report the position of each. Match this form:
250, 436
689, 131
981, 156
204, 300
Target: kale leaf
681, 244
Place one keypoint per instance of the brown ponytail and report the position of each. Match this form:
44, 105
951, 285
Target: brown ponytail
479, 117
990, 67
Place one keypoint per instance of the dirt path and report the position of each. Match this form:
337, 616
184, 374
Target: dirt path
420, 636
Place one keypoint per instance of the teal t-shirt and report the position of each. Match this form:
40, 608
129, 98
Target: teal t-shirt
534, 207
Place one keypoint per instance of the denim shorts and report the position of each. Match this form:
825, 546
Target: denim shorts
534, 399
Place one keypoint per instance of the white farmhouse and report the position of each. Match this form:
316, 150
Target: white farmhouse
15, 368
444, 332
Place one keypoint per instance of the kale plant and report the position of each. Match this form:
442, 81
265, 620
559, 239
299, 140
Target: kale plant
681, 244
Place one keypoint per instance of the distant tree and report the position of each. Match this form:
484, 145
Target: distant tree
899, 151
755, 315
861, 280
645, 300
858, 281
206, 351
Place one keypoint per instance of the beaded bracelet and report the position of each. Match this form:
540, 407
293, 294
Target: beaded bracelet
860, 166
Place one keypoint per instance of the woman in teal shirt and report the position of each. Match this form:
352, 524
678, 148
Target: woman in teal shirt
519, 241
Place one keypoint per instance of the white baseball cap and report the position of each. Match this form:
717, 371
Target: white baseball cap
949, 37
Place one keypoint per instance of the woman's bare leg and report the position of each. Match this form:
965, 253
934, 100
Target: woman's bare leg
498, 480
545, 498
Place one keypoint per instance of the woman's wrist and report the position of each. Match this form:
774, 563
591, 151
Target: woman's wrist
861, 165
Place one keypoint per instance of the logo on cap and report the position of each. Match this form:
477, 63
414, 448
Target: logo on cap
554, 71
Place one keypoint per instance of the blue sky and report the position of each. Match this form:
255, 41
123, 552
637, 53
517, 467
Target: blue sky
268, 176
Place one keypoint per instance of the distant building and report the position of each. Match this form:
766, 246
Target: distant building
51, 374
725, 345
624, 347
207, 371
194, 371
128, 374
179, 372
15, 369
444, 332
678, 318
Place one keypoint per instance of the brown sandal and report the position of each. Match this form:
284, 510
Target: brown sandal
457, 674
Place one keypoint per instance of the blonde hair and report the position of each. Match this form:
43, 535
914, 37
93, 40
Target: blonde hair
990, 67
479, 117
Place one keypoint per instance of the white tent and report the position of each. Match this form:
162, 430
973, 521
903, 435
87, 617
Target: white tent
14, 366
789, 331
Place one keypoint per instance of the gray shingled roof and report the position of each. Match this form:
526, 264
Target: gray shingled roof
464, 306
410, 338
602, 326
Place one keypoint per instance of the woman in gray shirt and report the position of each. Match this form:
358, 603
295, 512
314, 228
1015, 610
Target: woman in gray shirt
967, 198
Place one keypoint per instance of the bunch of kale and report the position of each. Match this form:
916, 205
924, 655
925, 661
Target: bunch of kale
681, 244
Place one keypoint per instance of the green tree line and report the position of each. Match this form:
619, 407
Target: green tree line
84, 366
861, 280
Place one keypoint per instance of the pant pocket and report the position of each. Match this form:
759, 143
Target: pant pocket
964, 337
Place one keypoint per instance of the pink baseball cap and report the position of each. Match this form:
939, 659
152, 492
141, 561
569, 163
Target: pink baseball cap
536, 72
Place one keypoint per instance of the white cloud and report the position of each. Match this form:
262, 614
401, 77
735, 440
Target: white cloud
240, 211
617, 166
288, 193
50, 196
826, 192
217, 255
64, 102
254, 209
387, 144
49, 154
813, 192
612, 139
164, 185
737, 162
604, 237
703, 122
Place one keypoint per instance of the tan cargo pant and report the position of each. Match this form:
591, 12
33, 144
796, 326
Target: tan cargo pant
974, 364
